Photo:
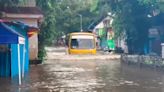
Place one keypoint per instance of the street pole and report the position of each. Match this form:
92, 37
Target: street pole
81, 22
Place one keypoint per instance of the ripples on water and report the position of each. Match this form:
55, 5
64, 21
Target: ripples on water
87, 76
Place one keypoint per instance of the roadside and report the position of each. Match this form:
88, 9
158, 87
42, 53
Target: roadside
152, 61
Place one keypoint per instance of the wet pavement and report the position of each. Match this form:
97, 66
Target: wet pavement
86, 76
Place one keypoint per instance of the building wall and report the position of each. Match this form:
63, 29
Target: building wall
121, 43
155, 39
33, 44
99, 26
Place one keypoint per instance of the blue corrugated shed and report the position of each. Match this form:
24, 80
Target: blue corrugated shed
9, 38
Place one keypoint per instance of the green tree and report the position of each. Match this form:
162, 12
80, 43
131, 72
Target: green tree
47, 31
4, 3
68, 11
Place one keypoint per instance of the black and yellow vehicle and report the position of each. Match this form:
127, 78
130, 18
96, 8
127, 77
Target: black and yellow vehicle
82, 43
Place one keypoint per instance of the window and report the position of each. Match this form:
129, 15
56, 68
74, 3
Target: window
82, 43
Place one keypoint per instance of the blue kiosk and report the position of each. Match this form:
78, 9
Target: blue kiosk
14, 53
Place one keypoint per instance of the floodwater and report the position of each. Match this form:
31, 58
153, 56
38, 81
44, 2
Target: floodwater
86, 76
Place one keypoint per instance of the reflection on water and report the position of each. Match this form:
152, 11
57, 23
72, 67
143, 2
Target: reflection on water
86, 76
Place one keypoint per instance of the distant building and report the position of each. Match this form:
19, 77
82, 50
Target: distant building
155, 35
101, 29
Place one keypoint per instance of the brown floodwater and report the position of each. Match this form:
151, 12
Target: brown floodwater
86, 76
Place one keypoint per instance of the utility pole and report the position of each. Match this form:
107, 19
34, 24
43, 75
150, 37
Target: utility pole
81, 22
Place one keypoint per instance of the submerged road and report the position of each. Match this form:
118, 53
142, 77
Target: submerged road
95, 75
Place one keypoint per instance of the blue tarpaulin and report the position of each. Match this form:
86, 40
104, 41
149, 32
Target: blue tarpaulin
8, 35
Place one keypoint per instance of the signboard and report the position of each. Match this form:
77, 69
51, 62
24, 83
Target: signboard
153, 33
21, 40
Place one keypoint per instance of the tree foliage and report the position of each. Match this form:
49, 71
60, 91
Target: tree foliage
9, 3
62, 16
5, 3
47, 31
68, 19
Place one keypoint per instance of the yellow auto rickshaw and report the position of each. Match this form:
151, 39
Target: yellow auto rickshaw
82, 43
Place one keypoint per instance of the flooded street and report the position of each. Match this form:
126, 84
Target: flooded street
87, 76
85, 73
81, 45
